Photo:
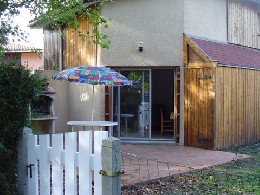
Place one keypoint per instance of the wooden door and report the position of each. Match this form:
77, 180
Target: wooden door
199, 107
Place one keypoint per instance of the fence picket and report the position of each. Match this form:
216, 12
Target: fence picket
98, 137
32, 160
57, 164
85, 169
44, 164
70, 174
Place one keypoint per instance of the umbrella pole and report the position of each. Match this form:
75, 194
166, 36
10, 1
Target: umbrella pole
92, 117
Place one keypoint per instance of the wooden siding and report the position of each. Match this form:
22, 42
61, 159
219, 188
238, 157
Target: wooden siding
237, 107
76, 51
223, 110
191, 53
243, 23
199, 113
52, 48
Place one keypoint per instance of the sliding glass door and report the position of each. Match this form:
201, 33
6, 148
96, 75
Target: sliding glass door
131, 106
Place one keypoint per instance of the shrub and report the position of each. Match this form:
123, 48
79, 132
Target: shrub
17, 88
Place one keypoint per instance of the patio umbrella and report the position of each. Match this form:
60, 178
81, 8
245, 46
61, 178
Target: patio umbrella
92, 75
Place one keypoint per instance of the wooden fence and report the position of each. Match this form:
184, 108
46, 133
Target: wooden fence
65, 164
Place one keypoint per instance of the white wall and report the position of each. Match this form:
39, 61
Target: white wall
206, 18
80, 102
159, 24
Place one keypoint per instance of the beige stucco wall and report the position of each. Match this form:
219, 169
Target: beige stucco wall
61, 101
73, 102
206, 18
158, 24
80, 102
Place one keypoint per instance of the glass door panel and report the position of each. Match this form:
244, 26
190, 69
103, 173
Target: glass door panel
131, 105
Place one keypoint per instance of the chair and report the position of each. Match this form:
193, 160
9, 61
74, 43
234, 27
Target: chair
166, 124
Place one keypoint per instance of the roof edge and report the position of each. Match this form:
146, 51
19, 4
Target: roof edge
196, 48
241, 67
23, 51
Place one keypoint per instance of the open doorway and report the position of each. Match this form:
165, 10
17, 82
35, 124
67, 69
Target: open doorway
162, 90
137, 108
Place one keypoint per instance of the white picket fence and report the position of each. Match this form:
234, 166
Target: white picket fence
65, 167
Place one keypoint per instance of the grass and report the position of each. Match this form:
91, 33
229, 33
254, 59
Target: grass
238, 177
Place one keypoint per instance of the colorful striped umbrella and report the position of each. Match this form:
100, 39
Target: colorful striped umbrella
94, 76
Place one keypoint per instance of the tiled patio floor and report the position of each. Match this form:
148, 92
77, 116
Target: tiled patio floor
148, 162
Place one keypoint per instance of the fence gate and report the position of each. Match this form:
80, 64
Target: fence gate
64, 163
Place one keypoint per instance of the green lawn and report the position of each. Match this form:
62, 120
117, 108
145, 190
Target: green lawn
238, 177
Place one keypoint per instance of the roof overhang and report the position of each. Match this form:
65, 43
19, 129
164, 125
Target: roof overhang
213, 53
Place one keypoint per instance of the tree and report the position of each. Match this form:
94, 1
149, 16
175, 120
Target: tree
55, 14
17, 88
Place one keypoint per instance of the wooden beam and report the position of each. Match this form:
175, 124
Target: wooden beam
185, 51
189, 42
202, 65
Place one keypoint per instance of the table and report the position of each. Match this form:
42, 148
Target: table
99, 124
125, 116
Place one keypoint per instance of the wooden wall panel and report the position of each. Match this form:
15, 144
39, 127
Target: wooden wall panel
76, 51
227, 107
219, 83
199, 107
241, 107
206, 108
187, 100
237, 107
250, 103
257, 107
190, 108
243, 23
52, 46
193, 56
233, 113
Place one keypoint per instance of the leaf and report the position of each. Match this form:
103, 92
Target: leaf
104, 37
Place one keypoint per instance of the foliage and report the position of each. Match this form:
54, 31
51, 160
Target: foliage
241, 176
17, 88
54, 14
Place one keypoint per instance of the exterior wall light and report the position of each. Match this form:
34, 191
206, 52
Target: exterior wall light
140, 46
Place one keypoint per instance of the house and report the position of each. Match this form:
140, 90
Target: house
27, 56
161, 46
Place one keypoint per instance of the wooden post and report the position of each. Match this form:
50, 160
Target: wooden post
22, 161
111, 166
